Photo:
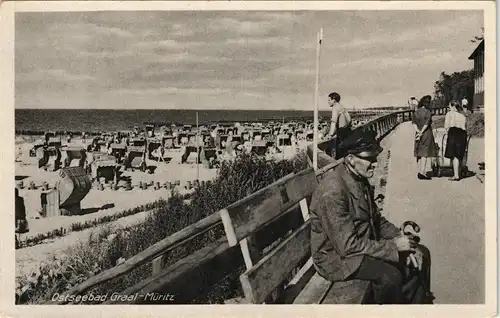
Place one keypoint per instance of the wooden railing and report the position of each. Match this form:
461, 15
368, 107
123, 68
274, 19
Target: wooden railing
381, 125
219, 253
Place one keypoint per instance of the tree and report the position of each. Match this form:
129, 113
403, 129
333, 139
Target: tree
453, 87
478, 38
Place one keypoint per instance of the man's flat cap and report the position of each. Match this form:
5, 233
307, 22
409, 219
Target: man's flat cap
361, 143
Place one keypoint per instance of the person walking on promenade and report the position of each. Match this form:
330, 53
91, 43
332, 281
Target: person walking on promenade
340, 121
465, 105
425, 146
350, 239
412, 103
456, 142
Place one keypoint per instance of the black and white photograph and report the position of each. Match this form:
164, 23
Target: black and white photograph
240, 154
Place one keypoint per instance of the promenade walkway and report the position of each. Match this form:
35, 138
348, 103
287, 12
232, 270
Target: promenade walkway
451, 215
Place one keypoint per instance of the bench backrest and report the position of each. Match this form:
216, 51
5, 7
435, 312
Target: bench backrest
272, 213
265, 213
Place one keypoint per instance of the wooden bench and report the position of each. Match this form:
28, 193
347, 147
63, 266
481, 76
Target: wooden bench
265, 240
283, 272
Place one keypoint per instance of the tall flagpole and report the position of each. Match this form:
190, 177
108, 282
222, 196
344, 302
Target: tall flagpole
197, 149
316, 100
283, 125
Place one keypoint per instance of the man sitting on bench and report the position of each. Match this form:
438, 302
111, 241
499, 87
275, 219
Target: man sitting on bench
350, 240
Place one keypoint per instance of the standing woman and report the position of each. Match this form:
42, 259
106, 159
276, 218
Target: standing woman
456, 141
425, 146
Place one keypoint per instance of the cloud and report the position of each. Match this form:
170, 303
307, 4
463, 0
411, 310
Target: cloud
58, 75
425, 57
244, 28
171, 90
280, 41
234, 58
290, 70
89, 30
414, 34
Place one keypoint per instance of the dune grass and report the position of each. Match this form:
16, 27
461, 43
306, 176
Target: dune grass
110, 246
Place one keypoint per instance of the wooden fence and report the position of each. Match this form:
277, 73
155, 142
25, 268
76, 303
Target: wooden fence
219, 254
381, 125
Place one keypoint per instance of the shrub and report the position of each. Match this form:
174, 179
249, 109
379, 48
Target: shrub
78, 226
475, 124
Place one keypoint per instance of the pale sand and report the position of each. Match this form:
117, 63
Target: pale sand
96, 199
29, 258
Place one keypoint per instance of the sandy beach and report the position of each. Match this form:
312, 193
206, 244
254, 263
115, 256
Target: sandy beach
97, 204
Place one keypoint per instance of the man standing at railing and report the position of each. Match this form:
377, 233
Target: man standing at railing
340, 125
349, 237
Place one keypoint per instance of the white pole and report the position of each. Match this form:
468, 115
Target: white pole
282, 126
316, 100
197, 149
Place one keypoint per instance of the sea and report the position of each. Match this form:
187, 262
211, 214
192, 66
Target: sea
92, 120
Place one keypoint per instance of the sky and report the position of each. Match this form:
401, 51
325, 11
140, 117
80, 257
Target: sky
235, 59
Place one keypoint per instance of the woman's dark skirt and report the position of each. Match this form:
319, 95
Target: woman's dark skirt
426, 145
456, 143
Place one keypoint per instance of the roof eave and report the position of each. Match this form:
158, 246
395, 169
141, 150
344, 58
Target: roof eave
478, 48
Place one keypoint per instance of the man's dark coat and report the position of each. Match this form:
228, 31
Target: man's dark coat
346, 225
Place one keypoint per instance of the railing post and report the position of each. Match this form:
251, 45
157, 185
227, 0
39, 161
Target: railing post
157, 265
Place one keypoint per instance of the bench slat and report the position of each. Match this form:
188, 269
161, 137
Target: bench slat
315, 291
278, 229
247, 215
156, 250
264, 239
174, 275
272, 270
349, 292
321, 291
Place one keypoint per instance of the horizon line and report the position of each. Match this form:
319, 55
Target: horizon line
204, 109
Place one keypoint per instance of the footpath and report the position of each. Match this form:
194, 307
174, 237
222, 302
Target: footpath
451, 216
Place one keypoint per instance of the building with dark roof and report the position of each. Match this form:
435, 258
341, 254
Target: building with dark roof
478, 57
